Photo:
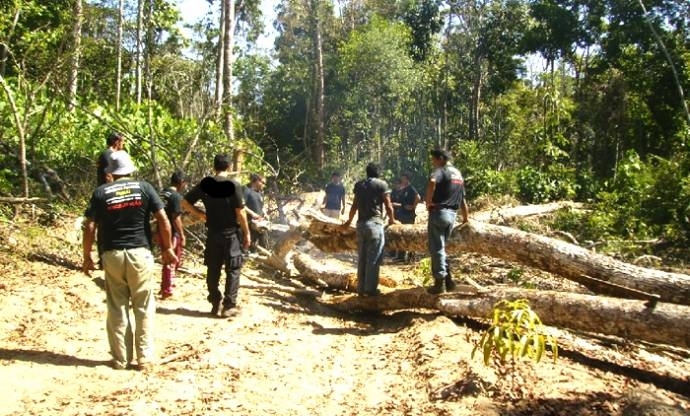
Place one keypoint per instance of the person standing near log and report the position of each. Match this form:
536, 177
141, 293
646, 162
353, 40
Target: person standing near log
370, 195
445, 194
121, 211
226, 224
254, 206
334, 201
405, 202
173, 209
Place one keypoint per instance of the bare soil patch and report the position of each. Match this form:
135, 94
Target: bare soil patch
290, 355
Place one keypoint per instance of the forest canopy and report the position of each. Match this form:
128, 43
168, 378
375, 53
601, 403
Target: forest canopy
541, 100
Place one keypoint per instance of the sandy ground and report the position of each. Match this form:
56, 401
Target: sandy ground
288, 355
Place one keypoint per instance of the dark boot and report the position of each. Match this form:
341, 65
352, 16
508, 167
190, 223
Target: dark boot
438, 287
450, 284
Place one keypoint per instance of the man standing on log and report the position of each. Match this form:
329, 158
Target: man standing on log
370, 194
445, 193
226, 223
121, 211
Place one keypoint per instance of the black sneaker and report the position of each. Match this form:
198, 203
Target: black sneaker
438, 288
215, 308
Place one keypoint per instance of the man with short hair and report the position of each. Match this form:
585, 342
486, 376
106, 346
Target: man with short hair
254, 205
114, 142
121, 212
226, 223
445, 194
333, 204
371, 194
405, 200
173, 208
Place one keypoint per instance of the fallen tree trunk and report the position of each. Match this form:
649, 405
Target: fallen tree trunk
509, 213
344, 278
548, 254
631, 319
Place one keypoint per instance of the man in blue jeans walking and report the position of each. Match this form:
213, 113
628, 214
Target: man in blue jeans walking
370, 195
445, 194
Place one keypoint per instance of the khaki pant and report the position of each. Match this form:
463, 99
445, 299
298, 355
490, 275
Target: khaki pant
129, 276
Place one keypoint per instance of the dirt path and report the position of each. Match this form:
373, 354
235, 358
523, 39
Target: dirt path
285, 355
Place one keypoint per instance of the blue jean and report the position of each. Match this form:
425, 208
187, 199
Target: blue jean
439, 229
370, 240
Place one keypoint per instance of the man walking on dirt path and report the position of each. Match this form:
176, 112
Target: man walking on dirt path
445, 193
121, 211
173, 209
226, 223
370, 195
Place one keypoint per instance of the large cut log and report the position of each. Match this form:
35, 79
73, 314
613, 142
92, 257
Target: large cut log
663, 323
552, 255
341, 277
504, 214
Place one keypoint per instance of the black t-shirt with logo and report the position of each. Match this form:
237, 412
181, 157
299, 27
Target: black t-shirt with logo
122, 209
220, 195
450, 187
173, 204
369, 194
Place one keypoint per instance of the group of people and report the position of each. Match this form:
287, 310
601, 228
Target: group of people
445, 195
118, 220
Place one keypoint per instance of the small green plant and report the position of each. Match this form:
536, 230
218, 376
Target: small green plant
515, 274
515, 332
424, 270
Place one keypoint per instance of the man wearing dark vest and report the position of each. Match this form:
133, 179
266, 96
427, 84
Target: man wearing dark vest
227, 232
445, 194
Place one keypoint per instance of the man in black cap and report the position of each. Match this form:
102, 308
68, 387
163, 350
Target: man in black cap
227, 232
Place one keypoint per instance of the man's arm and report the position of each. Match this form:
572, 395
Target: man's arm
353, 210
179, 227
342, 202
430, 188
88, 237
389, 209
241, 215
192, 209
167, 252
465, 211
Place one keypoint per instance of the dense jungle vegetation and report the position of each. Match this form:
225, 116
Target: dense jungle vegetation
538, 99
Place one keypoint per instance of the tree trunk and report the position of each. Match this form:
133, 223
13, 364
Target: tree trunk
227, 71
320, 85
139, 46
631, 319
219, 60
118, 69
78, 15
343, 278
21, 132
554, 256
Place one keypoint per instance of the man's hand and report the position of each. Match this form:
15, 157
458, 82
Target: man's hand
246, 241
87, 266
168, 256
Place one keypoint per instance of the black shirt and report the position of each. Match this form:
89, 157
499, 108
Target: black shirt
369, 194
254, 200
220, 195
335, 192
405, 196
102, 164
450, 187
122, 210
173, 205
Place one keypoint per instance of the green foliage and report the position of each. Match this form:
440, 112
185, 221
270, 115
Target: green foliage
424, 269
516, 331
555, 183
